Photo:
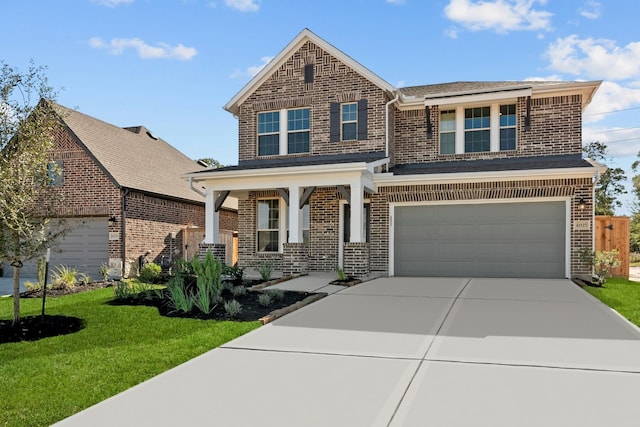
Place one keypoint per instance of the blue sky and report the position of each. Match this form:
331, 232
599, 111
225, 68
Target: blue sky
171, 65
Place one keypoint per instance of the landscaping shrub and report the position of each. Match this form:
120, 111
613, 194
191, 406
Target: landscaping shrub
265, 300
265, 269
64, 277
232, 308
233, 274
150, 272
103, 271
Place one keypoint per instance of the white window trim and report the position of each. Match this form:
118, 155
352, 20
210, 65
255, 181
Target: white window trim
283, 133
494, 130
282, 225
343, 122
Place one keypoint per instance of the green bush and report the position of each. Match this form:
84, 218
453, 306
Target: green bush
179, 298
64, 277
233, 273
103, 271
232, 308
265, 269
265, 300
275, 294
238, 291
150, 272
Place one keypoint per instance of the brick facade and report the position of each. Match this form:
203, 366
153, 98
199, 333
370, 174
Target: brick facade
556, 128
357, 259
333, 82
150, 220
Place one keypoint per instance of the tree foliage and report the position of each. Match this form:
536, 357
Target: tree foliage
211, 162
28, 223
611, 183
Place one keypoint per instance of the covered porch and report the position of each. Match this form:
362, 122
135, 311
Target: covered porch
277, 223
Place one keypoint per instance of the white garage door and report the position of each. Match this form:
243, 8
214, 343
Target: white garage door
85, 248
481, 240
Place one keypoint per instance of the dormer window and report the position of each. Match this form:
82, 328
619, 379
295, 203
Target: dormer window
274, 139
487, 128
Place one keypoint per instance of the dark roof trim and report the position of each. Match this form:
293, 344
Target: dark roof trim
494, 165
477, 92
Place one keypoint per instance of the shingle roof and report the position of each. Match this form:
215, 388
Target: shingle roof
494, 165
461, 87
134, 157
303, 161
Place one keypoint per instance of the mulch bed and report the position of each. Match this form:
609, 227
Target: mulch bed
32, 328
251, 309
58, 292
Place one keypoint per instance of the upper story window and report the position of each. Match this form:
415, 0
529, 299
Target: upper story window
274, 139
508, 127
349, 121
55, 173
448, 132
482, 129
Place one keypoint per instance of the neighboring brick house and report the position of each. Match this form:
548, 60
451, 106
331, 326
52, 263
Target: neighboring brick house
339, 168
124, 195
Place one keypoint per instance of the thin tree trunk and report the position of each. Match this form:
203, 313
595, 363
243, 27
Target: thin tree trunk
16, 295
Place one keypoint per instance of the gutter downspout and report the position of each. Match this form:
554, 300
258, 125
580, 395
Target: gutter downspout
386, 111
197, 190
123, 230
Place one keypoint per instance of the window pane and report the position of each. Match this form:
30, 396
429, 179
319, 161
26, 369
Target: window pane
298, 119
476, 141
267, 241
269, 122
448, 143
448, 121
298, 142
508, 139
349, 112
269, 145
349, 131
477, 118
508, 115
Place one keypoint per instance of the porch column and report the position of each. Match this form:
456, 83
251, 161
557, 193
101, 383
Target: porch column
356, 211
295, 215
212, 218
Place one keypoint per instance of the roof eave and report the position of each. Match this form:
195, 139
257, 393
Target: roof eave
388, 179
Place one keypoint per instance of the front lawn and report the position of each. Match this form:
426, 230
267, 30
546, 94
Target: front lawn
622, 295
44, 381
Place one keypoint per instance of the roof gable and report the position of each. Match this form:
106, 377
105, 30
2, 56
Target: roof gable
303, 37
133, 157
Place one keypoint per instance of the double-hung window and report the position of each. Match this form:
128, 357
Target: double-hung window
298, 131
508, 127
275, 138
269, 133
349, 121
268, 226
478, 129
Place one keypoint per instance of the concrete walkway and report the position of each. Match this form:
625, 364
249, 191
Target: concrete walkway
408, 352
6, 285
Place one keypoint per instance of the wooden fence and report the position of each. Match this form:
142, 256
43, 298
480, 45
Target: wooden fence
192, 237
612, 232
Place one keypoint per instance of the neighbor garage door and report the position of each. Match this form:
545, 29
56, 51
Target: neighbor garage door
480, 240
84, 248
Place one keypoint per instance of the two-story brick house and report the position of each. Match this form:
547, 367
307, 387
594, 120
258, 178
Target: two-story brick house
339, 168
123, 195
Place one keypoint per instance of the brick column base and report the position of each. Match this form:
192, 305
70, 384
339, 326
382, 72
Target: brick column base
219, 251
295, 259
356, 259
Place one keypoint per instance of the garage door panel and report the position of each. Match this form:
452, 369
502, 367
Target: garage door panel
490, 240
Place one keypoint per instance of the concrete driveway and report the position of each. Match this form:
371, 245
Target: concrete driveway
408, 352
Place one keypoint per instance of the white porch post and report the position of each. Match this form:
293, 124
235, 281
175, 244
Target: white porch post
212, 218
295, 215
356, 211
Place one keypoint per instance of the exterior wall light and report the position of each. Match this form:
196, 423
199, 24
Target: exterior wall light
581, 203
112, 220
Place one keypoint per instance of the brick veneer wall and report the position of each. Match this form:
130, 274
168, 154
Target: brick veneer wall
556, 128
333, 82
509, 190
228, 220
218, 250
150, 222
295, 258
86, 188
356, 259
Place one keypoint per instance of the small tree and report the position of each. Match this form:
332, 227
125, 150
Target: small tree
28, 223
213, 163
610, 185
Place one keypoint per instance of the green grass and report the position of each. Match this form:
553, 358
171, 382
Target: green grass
622, 295
44, 381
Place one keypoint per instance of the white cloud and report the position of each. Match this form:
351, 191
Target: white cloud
253, 69
590, 10
243, 5
594, 58
609, 98
144, 50
501, 16
620, 142
451, 32
112, 3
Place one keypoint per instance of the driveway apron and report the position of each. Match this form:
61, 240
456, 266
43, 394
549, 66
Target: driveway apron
405, 352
